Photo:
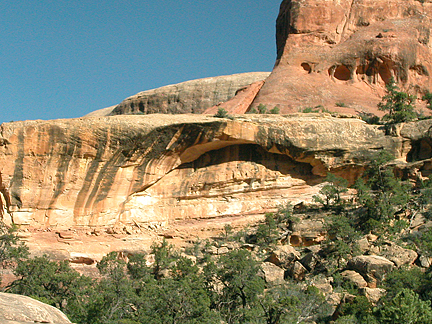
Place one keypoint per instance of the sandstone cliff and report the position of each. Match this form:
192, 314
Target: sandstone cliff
341, 53
158, 168
193, 96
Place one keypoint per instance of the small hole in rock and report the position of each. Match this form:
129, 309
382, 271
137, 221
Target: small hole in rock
306, 67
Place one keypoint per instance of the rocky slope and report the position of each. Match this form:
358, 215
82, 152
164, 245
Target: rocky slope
193, 96
341, 53
159, 168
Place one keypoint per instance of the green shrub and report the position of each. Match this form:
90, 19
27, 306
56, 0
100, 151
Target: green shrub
398, 105
308, 110
262, 109
275, 110
12, 250
428, 98
381, 195
267, 233
369, 118
405, 307
360, 309
221, 113
330, 194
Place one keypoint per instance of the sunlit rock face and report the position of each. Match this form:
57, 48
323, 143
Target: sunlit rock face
195, 96
340, 53
158, 168
17, 309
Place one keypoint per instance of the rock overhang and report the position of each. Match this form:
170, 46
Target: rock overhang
87, 172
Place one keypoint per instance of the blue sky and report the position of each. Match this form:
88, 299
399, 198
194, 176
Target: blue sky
66, 58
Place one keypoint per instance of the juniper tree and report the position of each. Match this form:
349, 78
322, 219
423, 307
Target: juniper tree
399, 105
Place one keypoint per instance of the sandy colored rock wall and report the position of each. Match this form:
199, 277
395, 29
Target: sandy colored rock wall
193, 96
157, 168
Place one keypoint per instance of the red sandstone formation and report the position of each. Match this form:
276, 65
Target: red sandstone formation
341, 53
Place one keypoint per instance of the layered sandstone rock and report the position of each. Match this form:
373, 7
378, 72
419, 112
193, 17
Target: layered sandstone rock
341, 53
193, 96
159, 168
17, 309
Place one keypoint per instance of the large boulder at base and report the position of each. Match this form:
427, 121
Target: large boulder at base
297, 271
373, 294
355, 278
17, 309
371, 265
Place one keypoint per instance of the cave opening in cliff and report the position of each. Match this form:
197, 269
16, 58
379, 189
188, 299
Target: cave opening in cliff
421, 150
250, 160
342, 73
385, 73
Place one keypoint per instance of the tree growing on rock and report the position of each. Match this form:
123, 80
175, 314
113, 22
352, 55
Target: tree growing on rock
399, 105
428, 98
331, 194
381, 195
11, 249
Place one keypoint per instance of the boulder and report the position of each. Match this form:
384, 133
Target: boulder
373, 294
271, 273
283, 256
424, 261
314, 249
324, 284
222, 250
397, 254
355, 278
297, 271
363, 244
334, 299
79, 258
310, 261
308, 232
212, 250
17, 309
373, 265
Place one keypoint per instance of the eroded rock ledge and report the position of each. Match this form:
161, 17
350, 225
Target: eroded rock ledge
157, 168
